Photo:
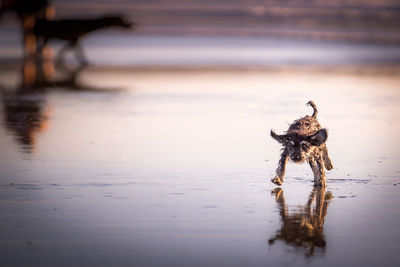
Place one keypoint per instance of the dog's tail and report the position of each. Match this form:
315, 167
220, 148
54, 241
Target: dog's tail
312, 104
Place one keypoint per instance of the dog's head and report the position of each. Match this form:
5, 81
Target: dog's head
300, 146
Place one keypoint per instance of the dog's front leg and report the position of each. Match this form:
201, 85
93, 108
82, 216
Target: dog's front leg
317, 167
280, 171
327, 161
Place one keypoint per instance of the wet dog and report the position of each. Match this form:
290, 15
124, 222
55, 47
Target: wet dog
304, 141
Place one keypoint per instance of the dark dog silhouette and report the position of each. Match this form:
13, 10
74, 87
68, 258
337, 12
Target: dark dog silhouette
72, 31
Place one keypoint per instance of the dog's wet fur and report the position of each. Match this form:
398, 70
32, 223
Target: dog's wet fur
304, 141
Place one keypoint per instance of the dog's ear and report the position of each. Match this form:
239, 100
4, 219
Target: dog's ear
280, 138
319, 137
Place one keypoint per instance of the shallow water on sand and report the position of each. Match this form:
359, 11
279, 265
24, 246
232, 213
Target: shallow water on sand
172, 169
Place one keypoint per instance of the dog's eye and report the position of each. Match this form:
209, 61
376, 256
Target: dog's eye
291, 142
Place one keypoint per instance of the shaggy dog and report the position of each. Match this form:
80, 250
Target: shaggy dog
304, 141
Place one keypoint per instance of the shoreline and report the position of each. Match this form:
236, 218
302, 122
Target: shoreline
390, 69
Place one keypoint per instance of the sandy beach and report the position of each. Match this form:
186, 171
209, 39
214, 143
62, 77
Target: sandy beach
137, 133
173, 168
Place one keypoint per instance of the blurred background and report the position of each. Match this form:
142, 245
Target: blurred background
368, 21
136, 133
250, 33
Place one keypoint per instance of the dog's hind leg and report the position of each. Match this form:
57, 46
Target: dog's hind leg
61, 53
327, 160
280, 171
317, 167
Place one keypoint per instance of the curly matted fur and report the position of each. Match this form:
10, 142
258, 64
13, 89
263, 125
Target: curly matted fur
304, 141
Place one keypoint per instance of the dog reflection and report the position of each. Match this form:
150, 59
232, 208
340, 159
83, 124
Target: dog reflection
303, 229
26, 112
25, 115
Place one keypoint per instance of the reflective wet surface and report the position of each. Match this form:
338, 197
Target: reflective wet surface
124, 167
304, 228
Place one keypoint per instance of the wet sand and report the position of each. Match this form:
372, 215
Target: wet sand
172, 168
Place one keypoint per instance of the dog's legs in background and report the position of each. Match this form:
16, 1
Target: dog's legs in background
317, 166
80, 54
280, 171
61, 53
327, 161
73, 45
41, 44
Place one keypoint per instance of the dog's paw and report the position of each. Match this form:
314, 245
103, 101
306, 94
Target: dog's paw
276, 180
329, 166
